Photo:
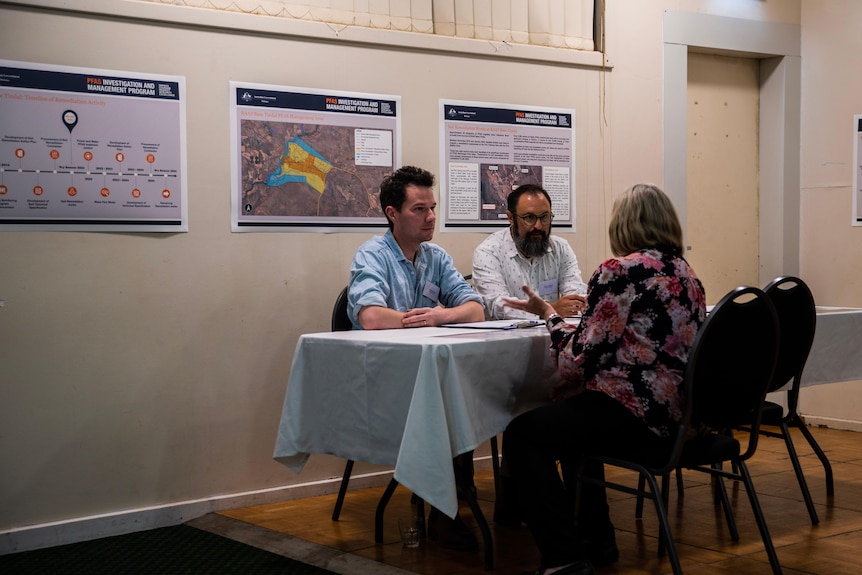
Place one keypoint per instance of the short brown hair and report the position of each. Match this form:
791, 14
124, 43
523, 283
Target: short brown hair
393, 189
644, 217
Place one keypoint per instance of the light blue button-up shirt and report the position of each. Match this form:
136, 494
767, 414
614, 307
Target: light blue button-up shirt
381, 275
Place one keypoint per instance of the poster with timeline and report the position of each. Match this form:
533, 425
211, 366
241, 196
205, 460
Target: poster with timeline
91, 150
310, 160
857, 170
487, 150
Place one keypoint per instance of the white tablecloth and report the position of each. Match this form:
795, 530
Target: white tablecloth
836, 353
410, 398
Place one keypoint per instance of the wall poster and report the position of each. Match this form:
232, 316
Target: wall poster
91, 150
487, 150
857, 170
310, 160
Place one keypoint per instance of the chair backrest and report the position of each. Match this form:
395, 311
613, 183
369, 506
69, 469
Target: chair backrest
340, 319
797, 318
732, 362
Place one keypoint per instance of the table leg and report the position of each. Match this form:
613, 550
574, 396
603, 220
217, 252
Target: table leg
381, 507
463, 477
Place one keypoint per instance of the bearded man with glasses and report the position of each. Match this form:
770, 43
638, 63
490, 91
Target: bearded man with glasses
527, 254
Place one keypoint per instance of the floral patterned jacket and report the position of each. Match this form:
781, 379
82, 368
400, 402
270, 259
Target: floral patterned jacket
643, 312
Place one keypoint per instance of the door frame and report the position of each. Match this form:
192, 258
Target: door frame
777, 46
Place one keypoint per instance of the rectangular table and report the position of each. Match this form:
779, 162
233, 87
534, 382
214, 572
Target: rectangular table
836, 354
413, 399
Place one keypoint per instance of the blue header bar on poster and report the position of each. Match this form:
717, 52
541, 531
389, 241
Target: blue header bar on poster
88, 83
507, 116
315, 102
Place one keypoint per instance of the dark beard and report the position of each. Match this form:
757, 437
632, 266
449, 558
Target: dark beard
532, 247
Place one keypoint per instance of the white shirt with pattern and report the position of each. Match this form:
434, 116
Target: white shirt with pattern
499, 270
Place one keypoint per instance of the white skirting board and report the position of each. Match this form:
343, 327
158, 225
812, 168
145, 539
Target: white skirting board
831, 422
837, 405
32, 537
80, 529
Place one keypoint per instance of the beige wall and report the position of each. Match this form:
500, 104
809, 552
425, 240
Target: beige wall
831, 88
831, 248
147, 371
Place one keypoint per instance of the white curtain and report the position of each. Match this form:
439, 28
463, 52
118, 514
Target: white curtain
556, 23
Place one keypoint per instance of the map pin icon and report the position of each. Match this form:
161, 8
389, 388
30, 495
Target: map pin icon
70, 118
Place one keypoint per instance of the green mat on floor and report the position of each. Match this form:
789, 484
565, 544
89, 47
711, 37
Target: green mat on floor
166, 551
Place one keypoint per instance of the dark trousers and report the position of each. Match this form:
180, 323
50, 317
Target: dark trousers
588, 424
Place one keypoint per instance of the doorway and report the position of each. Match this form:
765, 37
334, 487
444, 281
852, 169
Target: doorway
776, 49
722, 171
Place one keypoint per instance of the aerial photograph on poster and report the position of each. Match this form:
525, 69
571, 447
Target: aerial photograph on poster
311, 159
307, 170
498, 181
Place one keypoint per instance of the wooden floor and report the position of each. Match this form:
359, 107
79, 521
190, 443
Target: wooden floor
833, 547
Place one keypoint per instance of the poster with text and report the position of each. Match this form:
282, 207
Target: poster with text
310, 160
487, 150
857, 170
91, 150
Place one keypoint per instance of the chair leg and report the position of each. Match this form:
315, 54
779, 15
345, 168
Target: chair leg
639, 504
665, 498
827, 467
758, 516
722, 499
800, 477
381, 507
495, 464
665, 536
345, 479
487, 542
680, 487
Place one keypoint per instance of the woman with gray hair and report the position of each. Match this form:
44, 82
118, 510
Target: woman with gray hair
621, 374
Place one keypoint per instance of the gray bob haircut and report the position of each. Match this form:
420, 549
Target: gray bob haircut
644, 217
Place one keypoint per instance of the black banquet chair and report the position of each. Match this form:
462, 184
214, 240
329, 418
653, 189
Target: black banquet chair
341, 322
797, 319
729, 370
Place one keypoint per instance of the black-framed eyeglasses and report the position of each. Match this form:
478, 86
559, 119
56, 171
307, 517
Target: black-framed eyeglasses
531, 219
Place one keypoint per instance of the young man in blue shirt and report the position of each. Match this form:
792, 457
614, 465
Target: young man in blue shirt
401, 280
398, 279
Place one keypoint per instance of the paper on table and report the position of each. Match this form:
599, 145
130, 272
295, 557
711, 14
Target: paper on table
498, 324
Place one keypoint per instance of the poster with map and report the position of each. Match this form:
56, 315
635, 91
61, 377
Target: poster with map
488, 150
85, 149
310, 160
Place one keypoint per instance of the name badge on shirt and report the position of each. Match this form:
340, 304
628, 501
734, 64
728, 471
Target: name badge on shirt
548, 287
431, 291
